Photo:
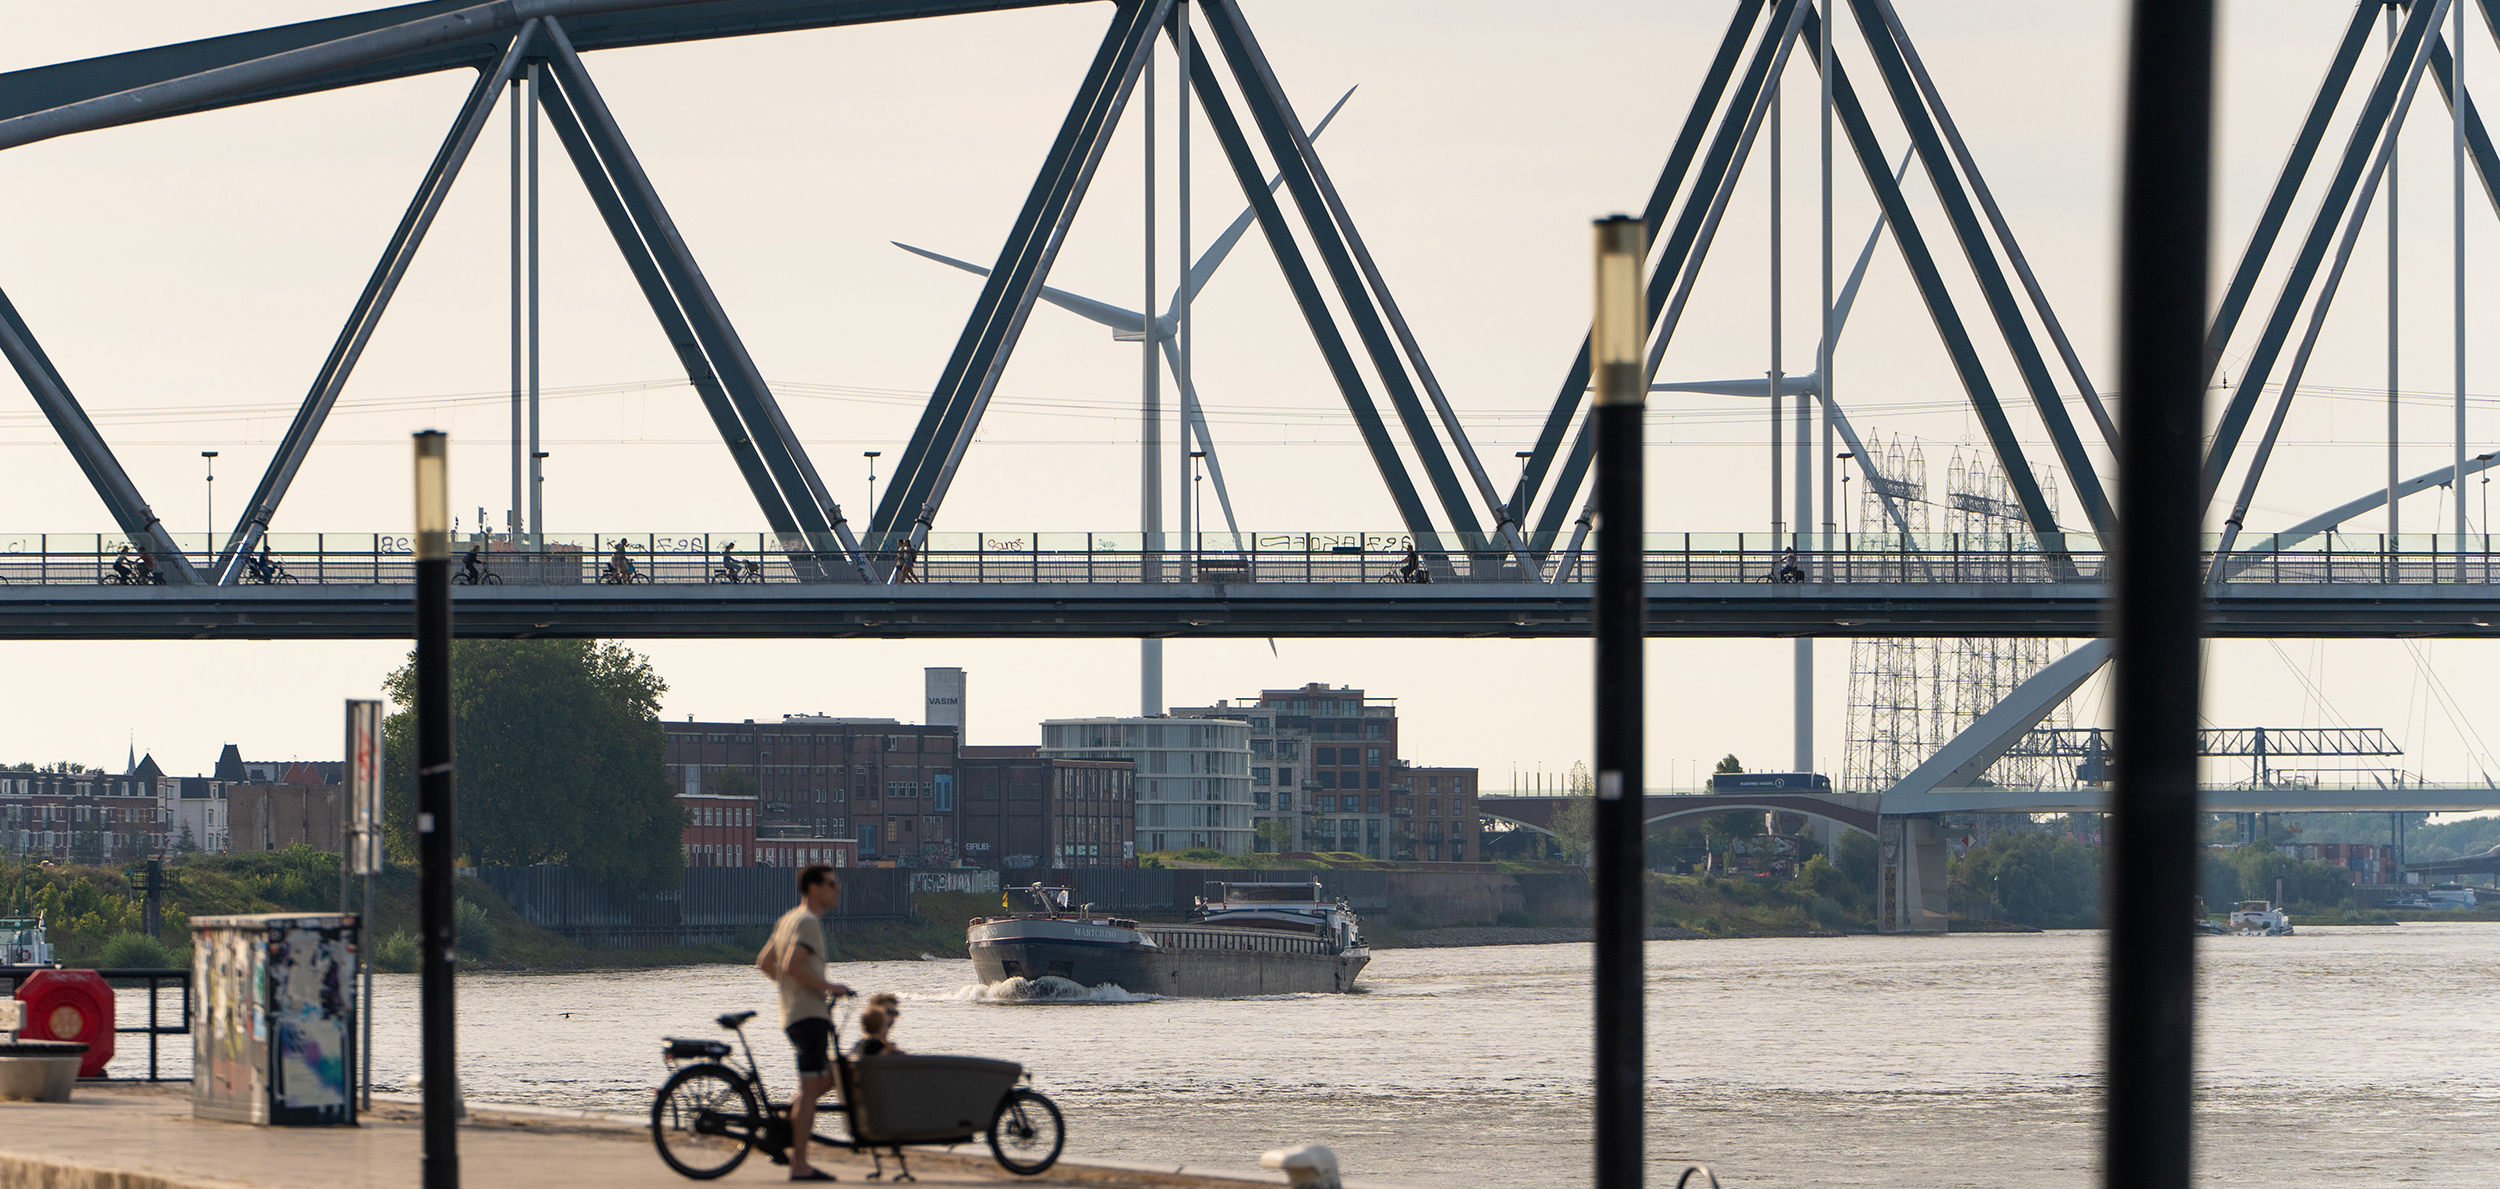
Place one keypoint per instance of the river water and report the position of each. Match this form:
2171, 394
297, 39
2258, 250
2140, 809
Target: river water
2361, 1053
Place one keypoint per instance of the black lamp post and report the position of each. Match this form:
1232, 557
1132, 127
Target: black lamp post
211, 457
434, 806
1617, 335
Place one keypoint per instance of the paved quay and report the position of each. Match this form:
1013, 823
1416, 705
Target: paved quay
143, 1137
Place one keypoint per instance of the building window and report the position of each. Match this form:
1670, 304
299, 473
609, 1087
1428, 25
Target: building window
1284, 800
1328, 805
1371, 780
1258, 775
945, 792
1432, 808
1371, 757
1328, 780
1258, 799
1371, 805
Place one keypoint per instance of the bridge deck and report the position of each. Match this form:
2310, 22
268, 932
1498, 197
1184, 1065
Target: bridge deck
1206, 610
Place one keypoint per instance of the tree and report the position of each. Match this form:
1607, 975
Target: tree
1575, 820
184, 843
2031, 877
735, 782
1728, 765
558, 760
86, 847
1277, 832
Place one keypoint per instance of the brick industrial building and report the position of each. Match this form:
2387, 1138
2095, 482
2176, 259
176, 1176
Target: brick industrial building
888, 784
1022, 810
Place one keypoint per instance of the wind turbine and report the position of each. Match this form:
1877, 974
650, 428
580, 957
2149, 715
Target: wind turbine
1131, 326
1811, 383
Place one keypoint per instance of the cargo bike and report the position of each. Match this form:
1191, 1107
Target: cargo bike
710, 1114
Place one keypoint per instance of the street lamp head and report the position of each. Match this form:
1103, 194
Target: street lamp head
433, 459
871, 453
213, 454
1848, 454
1618, 331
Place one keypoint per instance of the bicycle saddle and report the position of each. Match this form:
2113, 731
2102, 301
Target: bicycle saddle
731, 1020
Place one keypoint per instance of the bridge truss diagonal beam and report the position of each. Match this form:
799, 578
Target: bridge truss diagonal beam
352, 49
1661, 198
2359, 214
288, 459
1939, 301
1672, 253
1218, 111
95, 457
1884, 42
665, 309
2402, 61
2278, 208
997, 319
1332, 232
785, 457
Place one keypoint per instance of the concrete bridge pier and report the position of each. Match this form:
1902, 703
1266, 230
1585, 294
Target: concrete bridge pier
1910, 894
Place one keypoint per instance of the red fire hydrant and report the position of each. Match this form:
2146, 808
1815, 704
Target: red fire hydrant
70, 1005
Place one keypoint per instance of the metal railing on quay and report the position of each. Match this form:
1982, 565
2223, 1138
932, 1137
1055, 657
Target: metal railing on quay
155, 979
730, 559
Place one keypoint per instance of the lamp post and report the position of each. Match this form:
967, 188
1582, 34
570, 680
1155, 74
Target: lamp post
211, 456
538, 506
1617, 335
871, 456
434, 808
1198, 506
1846, 508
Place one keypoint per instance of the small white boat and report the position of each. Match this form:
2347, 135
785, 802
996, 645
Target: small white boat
2261, 917
22, 942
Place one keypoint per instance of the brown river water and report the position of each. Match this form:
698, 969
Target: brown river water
2357, 1054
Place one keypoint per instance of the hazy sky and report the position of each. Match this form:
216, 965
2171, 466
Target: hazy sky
188, 276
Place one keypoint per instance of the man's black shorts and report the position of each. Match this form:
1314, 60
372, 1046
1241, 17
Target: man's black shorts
811, 1038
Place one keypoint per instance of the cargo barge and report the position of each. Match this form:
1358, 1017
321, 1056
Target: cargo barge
1245, 939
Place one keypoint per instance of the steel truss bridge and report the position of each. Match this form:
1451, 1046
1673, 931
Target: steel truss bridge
1502, 563
1277, 585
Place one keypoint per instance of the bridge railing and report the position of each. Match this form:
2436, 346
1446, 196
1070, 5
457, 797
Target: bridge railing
367, 559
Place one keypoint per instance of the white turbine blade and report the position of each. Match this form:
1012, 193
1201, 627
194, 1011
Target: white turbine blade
1789, 386
1204, 271
1857, 275
1123, 322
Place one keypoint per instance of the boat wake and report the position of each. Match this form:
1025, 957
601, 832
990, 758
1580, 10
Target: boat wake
1047, 989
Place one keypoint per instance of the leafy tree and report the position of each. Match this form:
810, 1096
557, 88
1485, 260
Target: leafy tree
2261, 868
186, 844
1277, 832
2031, 877
736, 782
558, 752
1858, 860
1728, 765
86, 847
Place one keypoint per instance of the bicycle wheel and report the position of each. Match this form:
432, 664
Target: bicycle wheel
701, 1120
493, 579
1026, 1133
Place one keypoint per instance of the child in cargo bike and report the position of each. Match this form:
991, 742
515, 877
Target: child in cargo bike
876, 1023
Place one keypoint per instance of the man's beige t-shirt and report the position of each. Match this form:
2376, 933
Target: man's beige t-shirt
806, 931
